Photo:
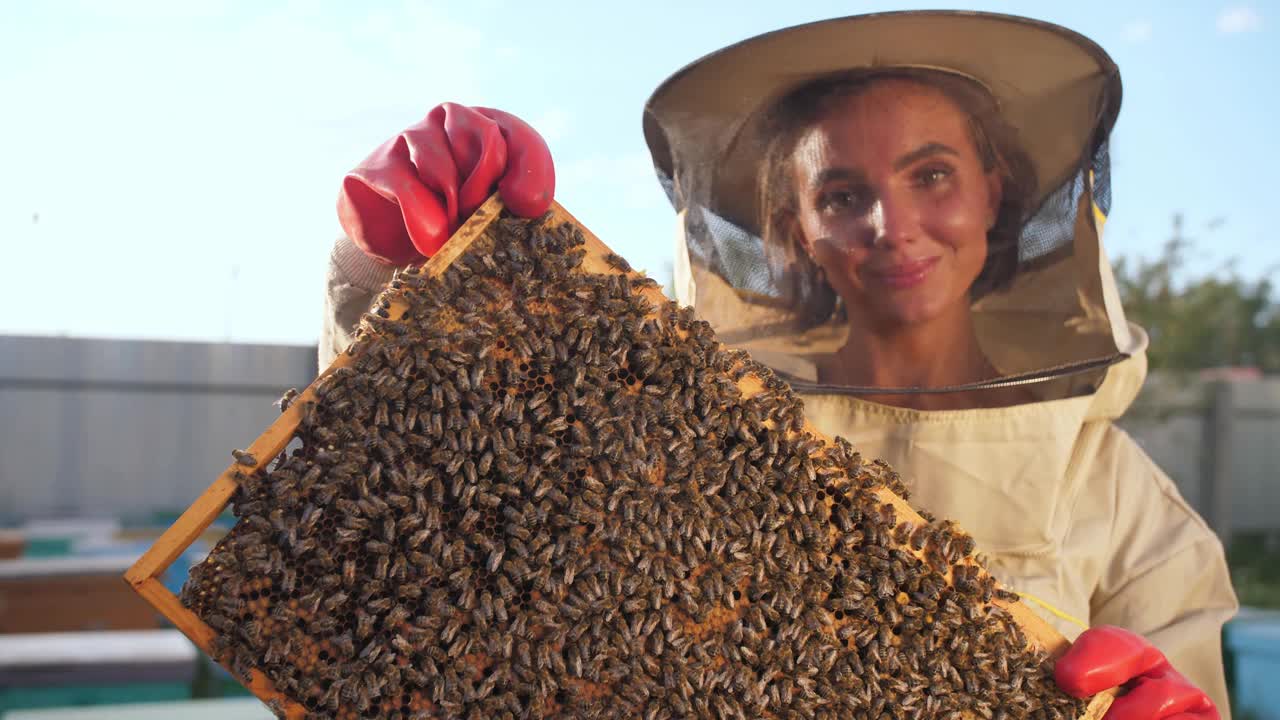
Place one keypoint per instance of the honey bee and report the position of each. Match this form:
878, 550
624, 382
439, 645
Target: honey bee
244, 457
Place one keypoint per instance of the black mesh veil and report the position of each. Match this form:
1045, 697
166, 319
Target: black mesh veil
738, 256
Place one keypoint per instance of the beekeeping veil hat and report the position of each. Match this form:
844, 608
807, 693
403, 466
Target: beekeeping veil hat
707, 127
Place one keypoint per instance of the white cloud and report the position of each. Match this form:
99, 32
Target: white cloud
215, 143
552, 124
1138, 31
626, 179
1239, 19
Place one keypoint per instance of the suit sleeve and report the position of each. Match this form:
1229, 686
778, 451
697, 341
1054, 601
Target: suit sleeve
351, 283
1166, 577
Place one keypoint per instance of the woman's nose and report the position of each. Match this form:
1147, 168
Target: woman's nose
892, 221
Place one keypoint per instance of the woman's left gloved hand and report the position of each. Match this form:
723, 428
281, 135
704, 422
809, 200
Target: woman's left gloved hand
1106, 657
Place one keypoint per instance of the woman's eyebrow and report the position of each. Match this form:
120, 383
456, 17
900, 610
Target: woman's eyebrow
837, 174
850, 174
924, 151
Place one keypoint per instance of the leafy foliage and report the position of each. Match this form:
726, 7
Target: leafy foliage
1218, 319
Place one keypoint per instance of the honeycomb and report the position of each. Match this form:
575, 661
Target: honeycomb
545, 491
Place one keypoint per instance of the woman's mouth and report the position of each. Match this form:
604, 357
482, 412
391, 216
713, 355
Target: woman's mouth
899, 276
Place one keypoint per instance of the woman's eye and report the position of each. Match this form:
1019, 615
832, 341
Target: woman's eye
837, 200
933, 175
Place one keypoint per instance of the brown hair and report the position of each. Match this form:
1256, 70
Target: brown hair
802, 284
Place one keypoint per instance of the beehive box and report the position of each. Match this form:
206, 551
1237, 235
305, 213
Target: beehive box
534, 487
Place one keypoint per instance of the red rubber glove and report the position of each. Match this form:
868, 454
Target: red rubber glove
405, 200
1106, 657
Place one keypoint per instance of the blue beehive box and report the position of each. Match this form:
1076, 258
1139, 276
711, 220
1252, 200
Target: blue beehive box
1253, 639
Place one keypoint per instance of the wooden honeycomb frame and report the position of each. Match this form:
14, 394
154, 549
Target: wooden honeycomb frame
144, 575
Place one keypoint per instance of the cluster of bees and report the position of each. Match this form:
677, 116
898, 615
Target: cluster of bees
542, 492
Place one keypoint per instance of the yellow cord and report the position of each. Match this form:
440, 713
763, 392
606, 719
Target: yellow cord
1069, 618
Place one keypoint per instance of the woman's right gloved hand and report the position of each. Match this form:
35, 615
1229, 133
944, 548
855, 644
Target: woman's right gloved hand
405, 200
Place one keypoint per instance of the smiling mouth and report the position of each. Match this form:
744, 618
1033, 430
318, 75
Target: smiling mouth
903, 275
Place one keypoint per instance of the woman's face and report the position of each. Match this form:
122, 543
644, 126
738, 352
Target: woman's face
894, 204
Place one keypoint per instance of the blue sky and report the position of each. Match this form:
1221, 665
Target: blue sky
170, 169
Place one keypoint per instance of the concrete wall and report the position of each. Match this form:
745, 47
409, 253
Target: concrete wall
113, 427
1220, 442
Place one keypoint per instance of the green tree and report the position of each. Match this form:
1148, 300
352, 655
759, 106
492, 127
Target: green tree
1200, 321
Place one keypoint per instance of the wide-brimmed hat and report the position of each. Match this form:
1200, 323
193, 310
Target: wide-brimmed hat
1059, 89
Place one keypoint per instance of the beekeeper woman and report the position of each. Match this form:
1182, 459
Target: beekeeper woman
901, 213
